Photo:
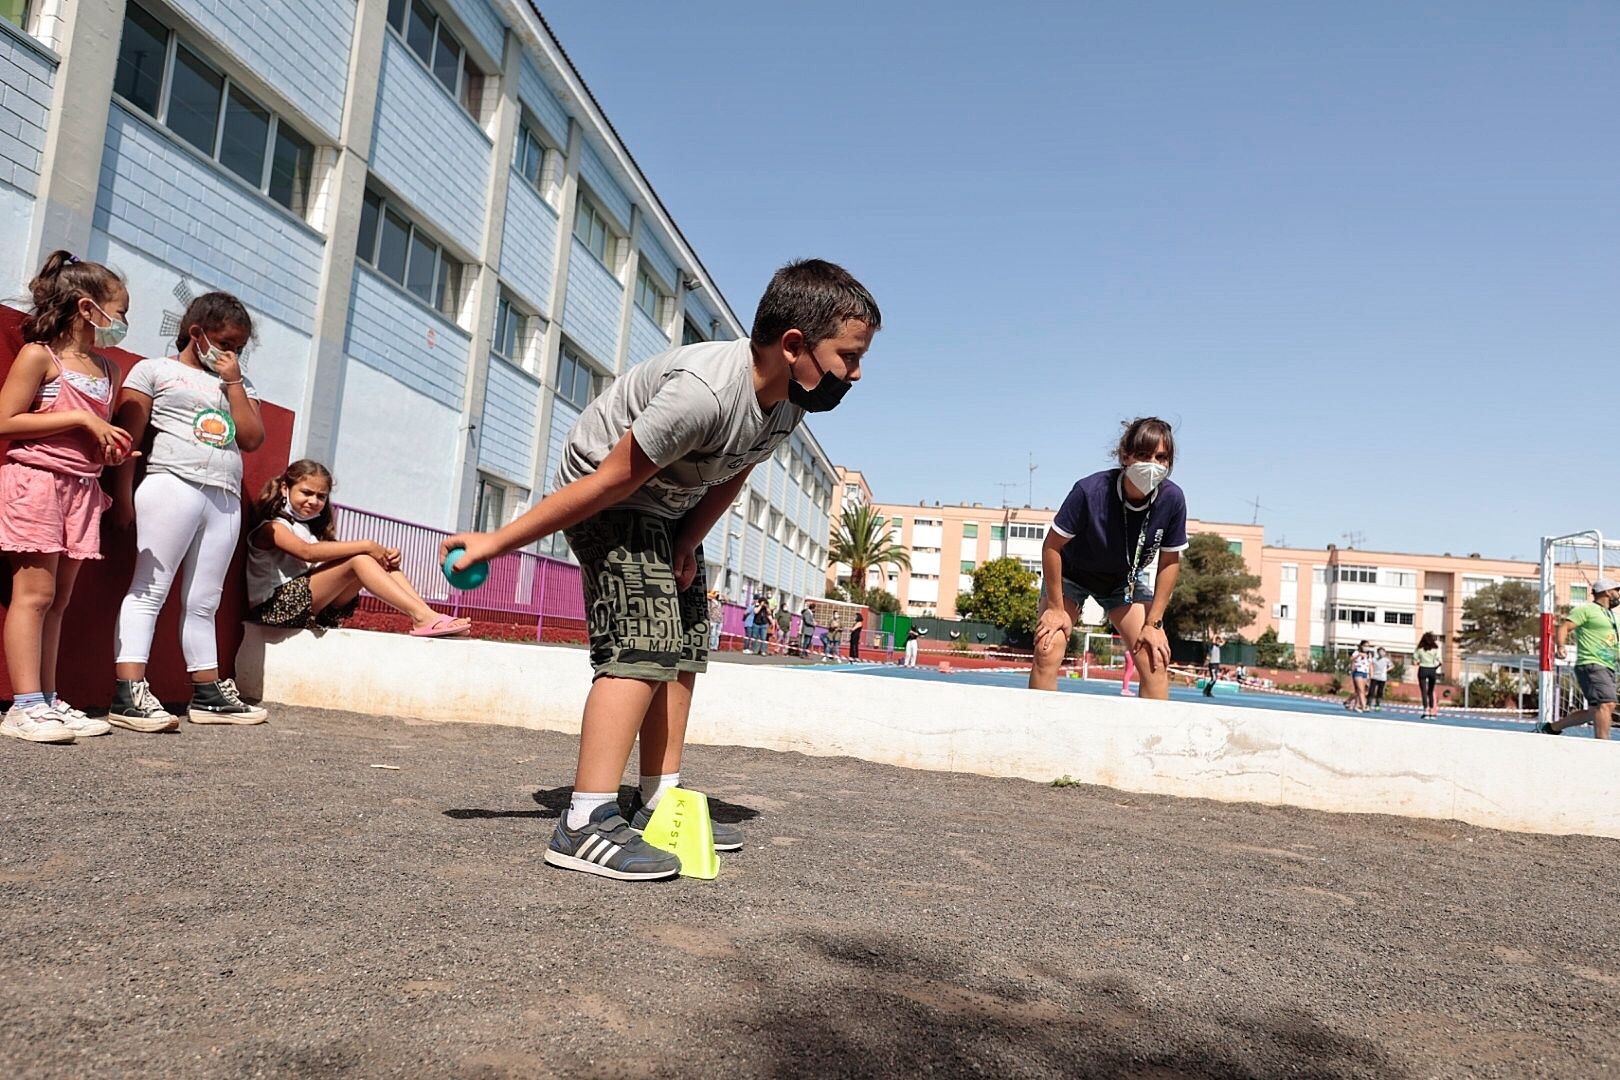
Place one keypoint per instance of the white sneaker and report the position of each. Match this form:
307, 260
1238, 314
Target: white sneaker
37, 723
75, 720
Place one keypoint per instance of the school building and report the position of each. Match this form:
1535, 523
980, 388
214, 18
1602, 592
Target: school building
1317, 599
446, 247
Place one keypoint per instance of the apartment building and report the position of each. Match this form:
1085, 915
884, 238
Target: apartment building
1317, 599
447, 248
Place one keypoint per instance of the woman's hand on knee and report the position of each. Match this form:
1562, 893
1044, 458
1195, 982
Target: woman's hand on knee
1052, 630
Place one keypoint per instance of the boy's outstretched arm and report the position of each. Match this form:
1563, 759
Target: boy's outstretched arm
622, 472
699, 520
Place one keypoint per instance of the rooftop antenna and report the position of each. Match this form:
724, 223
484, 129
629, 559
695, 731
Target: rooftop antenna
1032, 468
1255, 502
1005, 485
1354, 538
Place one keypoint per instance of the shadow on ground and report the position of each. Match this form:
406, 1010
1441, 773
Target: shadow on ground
886, 1010
553, 801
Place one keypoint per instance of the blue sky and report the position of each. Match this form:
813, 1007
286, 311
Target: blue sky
1367, 259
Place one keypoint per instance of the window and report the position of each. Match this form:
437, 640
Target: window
210, 112
1359, 574
1401, 579
653, 301
1398, 618
425, 34
1032, 565
491, 505
1290, 573
1357, 616
757, 508
577, 381
1472, 585
1027, 532
998, 532
967, 566
538, 161
690, 334
1235, 547
1577, 594
515, 333
1282, 611
1318, 575
402, 253
15, 12
592, 229
970, 531
926, 523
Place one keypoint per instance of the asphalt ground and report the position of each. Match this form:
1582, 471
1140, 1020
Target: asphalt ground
233, 902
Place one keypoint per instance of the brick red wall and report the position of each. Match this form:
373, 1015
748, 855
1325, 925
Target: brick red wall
85, 671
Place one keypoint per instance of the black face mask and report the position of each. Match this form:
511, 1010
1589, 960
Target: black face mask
823, 397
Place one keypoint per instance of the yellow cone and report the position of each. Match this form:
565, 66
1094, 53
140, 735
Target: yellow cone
681, 825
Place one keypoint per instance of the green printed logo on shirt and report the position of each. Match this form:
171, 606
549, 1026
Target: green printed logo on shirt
213, 427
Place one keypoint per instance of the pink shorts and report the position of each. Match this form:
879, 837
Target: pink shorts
50, 512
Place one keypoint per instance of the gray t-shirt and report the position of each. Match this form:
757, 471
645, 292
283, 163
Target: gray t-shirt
195, 437
694, 413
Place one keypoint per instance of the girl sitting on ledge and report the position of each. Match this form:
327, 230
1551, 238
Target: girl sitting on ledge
299, 576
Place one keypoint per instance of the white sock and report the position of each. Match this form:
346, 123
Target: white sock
653, 788
584, 803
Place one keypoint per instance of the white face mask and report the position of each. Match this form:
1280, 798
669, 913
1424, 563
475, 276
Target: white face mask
295, 515
1146, 475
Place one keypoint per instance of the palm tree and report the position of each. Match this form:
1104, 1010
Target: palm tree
862, 541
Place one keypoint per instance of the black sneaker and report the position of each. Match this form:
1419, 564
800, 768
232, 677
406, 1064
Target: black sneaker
219, 703
136, 708
726, 837
606, 846
1545, 728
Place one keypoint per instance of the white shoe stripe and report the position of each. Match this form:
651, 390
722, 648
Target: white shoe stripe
609, 849
586, 846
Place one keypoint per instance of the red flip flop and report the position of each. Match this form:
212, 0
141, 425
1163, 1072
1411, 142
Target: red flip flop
443, 626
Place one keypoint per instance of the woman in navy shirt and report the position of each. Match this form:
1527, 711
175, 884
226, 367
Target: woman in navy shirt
1117, 538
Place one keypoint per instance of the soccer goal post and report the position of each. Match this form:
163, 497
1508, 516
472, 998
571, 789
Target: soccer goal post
1569, 566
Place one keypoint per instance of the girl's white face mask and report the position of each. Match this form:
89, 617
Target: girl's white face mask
1145, 476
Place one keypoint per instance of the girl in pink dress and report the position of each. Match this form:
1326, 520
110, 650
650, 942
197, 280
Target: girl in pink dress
55, 407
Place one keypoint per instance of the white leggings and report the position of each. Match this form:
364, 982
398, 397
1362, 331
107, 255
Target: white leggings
178, 524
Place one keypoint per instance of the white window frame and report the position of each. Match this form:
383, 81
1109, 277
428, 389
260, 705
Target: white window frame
462, 90
452, 297
613, 240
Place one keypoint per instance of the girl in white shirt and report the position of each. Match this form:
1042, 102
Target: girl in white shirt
299, 575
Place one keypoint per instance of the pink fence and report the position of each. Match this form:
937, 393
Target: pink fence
522, 587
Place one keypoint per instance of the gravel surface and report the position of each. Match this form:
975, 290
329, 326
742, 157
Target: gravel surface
262, 902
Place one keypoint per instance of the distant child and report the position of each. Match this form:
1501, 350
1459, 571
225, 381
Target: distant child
912, 637
187, 512
1381, 664
1427, 658
1125, 689
299, 575
648, 469
55, 408
1360, 675
1112, 531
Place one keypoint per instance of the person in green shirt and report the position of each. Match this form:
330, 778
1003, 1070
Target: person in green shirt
1597, 643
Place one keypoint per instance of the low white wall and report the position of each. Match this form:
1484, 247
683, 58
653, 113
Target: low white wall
1505, 780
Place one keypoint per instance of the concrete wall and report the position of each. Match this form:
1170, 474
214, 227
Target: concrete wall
529, 245
1503, 780
27, 73
428, 150
592, 305
506, 437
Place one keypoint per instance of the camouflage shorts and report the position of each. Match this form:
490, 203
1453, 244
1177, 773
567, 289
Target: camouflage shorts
641, 625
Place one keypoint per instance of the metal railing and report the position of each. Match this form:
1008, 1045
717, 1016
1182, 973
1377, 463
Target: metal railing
522, 586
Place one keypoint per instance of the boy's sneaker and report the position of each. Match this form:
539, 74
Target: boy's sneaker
726, 837
219, 703
135, 707
77, 721
608, 847
37, 723
1545, 728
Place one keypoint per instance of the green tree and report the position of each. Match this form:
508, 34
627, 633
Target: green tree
862, 541
1215, 592
1502, 618
879, 600
1004, 594
1272, 653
